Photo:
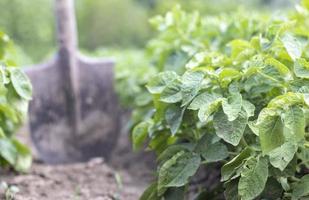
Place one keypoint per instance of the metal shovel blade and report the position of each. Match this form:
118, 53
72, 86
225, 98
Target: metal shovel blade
74, 112
51, 131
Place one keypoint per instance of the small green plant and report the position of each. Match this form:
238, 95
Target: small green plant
9, 191
15, 93
234, 93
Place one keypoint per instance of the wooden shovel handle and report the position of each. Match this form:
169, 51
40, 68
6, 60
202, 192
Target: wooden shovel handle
67, 59
66, 24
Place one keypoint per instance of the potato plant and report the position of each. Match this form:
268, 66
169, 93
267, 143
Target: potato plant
170, 50
232, 90
15, 93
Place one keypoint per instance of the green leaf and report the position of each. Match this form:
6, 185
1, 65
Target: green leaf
176, 171
238, 46
292, 46
172, 92
253, 127
21, 83
287, 172
175, 194
301, 189
273, 190
208, 109
211, 149
191, 82
139, 134
232, 166
249, 108
2, 134
176, 61
230, 131
294, 122
143, 99
305, 3
173, 117
203, 99
171, 151
285, 100
215, 152
8, 151
159, 108
161, 141
301, 68
3, 78
24, 157
4, 41
227, 75
282, 156
284, 183
303, 155
151, 193
232, 106
9, 112
280, 67
157, 84
253, 178
270, 132
231, 190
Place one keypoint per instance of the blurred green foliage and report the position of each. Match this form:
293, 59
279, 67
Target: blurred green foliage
111, 23
107, 23
15, 94
209, 7
133, 71
30, 24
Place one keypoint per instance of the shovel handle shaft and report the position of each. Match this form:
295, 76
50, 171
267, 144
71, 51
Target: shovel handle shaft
66, 24
67, 58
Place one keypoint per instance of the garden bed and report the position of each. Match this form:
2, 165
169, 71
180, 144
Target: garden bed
125, 176
92, 180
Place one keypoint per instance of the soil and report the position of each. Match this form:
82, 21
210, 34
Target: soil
92, 180
124, 177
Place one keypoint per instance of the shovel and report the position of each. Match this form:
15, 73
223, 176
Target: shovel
74, 112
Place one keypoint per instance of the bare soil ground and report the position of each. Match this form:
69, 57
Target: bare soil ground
92, 180
122, 178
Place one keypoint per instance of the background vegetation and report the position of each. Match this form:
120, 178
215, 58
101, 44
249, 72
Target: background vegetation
101, 23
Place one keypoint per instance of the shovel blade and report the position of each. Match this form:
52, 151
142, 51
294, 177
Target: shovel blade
55, 140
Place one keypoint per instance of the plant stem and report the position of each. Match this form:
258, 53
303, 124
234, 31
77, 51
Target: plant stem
294, 179
243, 142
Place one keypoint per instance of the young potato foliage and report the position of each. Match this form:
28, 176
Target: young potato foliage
233, 92
15, 93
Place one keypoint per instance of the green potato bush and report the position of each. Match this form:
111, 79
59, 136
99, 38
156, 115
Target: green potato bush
171, 49
233, 90
211, 7
15, 93
107, 23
